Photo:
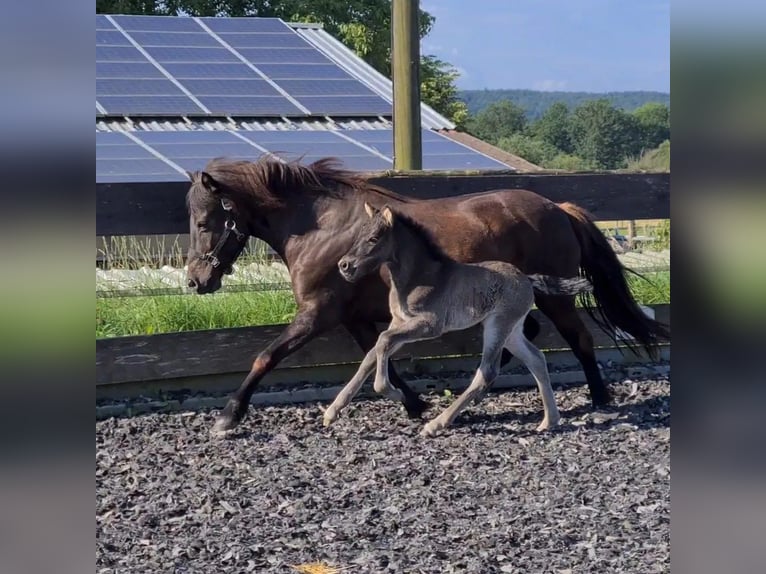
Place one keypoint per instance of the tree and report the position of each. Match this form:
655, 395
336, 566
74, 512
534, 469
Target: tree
498, 120
438, 90
553, 127
654, 121
531, 149
603, 135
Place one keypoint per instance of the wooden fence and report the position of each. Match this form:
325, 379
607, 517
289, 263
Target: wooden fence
147, 208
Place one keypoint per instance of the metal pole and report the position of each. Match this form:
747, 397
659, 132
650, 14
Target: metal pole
405, 67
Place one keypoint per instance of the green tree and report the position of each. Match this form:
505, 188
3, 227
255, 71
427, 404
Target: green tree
438, 90
603, 135
498, 120
531, 149
553, 127
654, 121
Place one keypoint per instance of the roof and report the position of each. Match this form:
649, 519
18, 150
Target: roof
174, 92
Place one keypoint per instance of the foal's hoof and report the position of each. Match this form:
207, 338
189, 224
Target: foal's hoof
330, 416
430, 430
547, 425
416, 407
228, 420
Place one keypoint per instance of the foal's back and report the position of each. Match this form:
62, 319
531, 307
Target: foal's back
471, 292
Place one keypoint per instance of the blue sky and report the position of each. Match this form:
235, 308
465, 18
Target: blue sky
571, 45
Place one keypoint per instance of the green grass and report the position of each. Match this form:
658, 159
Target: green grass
120, 316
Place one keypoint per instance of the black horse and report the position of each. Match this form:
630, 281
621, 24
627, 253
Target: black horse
312, 215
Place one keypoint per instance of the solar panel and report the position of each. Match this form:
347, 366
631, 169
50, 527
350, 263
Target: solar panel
192, 150
120, 159
287, 40
439, 152
128, 83
209, 73
157, 23
235, 25
303, 71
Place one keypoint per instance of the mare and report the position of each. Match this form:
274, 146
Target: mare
311, 215
432, 294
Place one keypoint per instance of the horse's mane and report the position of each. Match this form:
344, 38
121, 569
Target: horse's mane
272, 182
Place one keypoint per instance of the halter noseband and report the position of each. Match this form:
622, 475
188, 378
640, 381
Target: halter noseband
230, 227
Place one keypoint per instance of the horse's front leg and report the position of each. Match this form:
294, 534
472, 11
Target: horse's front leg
307, 324
390, 341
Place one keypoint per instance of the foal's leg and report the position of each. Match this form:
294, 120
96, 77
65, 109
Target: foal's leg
366, 335
391, 340
351, 389
494, 335
531, 330
534, 360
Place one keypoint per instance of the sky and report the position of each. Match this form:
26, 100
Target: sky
569, 45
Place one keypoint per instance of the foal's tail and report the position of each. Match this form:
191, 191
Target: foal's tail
550, 285
612, 306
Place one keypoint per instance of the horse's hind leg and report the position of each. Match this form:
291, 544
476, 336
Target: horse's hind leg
534, 360
485, 375
366, 335
563, 313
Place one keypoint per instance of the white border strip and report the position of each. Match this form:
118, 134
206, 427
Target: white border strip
250, 65
101, 108
167, 74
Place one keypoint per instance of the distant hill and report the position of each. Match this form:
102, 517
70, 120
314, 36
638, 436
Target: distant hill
536, 102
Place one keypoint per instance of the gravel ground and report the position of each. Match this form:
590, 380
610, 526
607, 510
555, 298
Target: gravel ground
371, 495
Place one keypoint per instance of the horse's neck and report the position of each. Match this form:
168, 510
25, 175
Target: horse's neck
413, 264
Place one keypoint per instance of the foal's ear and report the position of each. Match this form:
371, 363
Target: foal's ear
191, 175
388, 216
208, 181
369, 209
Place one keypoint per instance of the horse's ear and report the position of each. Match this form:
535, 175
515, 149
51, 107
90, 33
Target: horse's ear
208, 181
369, 209
190, 175
388, 216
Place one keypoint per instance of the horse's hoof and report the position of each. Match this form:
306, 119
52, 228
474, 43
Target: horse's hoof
228, 419
601, 398
429, 430
416, 408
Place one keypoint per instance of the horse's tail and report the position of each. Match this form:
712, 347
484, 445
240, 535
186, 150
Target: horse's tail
612, 306
550, 285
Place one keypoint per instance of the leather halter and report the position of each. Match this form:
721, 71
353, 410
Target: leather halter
230, 228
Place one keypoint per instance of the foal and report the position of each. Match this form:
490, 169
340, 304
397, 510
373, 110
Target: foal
432, 294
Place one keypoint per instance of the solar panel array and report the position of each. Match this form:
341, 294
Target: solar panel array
166, 66
169, 67
144, 156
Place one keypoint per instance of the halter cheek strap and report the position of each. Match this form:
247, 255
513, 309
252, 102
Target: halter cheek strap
230, 228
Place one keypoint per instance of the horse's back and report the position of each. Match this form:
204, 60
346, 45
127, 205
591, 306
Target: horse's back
514, 225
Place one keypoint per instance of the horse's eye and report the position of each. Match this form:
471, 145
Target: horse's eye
373, 240
202, 224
